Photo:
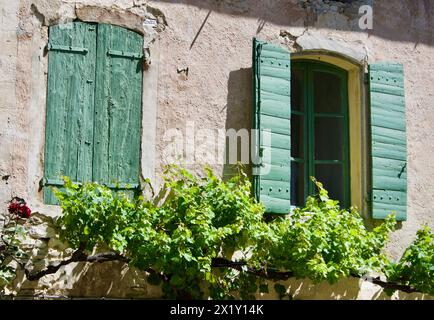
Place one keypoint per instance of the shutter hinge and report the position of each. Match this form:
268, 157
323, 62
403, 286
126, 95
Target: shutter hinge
368, 197
60, 183
131, 55
56, 47
402, 170
366, 78
42, 184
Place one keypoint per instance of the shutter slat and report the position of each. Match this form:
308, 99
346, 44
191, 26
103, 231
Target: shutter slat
273, 107
102, 100
270, 73
275, 189
275, 156
277, 173
387, 101
397, 198
382, 119
278, 89
388, 151
389, 136
387, 172
280, 141
275, 205
272, 113
389, 142
275, 124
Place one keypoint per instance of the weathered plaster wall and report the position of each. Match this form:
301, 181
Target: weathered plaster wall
213, 40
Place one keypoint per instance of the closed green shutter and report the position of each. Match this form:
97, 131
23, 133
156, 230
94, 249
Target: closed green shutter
118, 107
389, 142
69, 124
93, 106
272, 114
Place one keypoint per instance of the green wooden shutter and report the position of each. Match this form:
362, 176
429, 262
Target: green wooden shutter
69, 125
93, 106
389, 142
118, 107
272, 113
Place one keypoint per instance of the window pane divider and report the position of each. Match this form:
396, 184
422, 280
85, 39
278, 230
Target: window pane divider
329, 115
328, 162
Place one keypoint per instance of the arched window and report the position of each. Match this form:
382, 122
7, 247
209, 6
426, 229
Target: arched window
93, 106
313, 120
319, 131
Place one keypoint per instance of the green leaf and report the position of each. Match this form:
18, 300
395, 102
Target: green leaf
263, 288
280, 289
176, 280
194, 221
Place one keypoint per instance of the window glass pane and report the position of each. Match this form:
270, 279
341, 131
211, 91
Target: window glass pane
331, 176
297, 141
297, 89
327, 92
328, 138
297, 184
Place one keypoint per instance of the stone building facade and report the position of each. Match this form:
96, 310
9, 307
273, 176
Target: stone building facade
197, 76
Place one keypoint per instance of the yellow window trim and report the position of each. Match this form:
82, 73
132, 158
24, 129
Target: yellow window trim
357, 119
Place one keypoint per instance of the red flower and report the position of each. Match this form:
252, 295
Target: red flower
18, 206
28, 212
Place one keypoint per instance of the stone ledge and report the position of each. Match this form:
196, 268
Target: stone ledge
353, 50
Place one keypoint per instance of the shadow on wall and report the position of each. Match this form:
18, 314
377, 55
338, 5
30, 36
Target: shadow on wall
344, 289
84, 280
396, 20
115, 280
238, 116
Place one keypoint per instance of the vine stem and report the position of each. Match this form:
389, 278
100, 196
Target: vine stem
272, 274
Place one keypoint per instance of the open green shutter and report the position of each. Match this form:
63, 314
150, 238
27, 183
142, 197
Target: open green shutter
118, 107
70, 96
272, 119
389, 142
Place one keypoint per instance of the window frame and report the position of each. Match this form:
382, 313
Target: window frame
309, 116
359, 125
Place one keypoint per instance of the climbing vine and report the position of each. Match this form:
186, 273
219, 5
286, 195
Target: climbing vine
201, 236
323, 242
416, 267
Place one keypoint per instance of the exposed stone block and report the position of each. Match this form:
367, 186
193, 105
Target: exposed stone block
42, 231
